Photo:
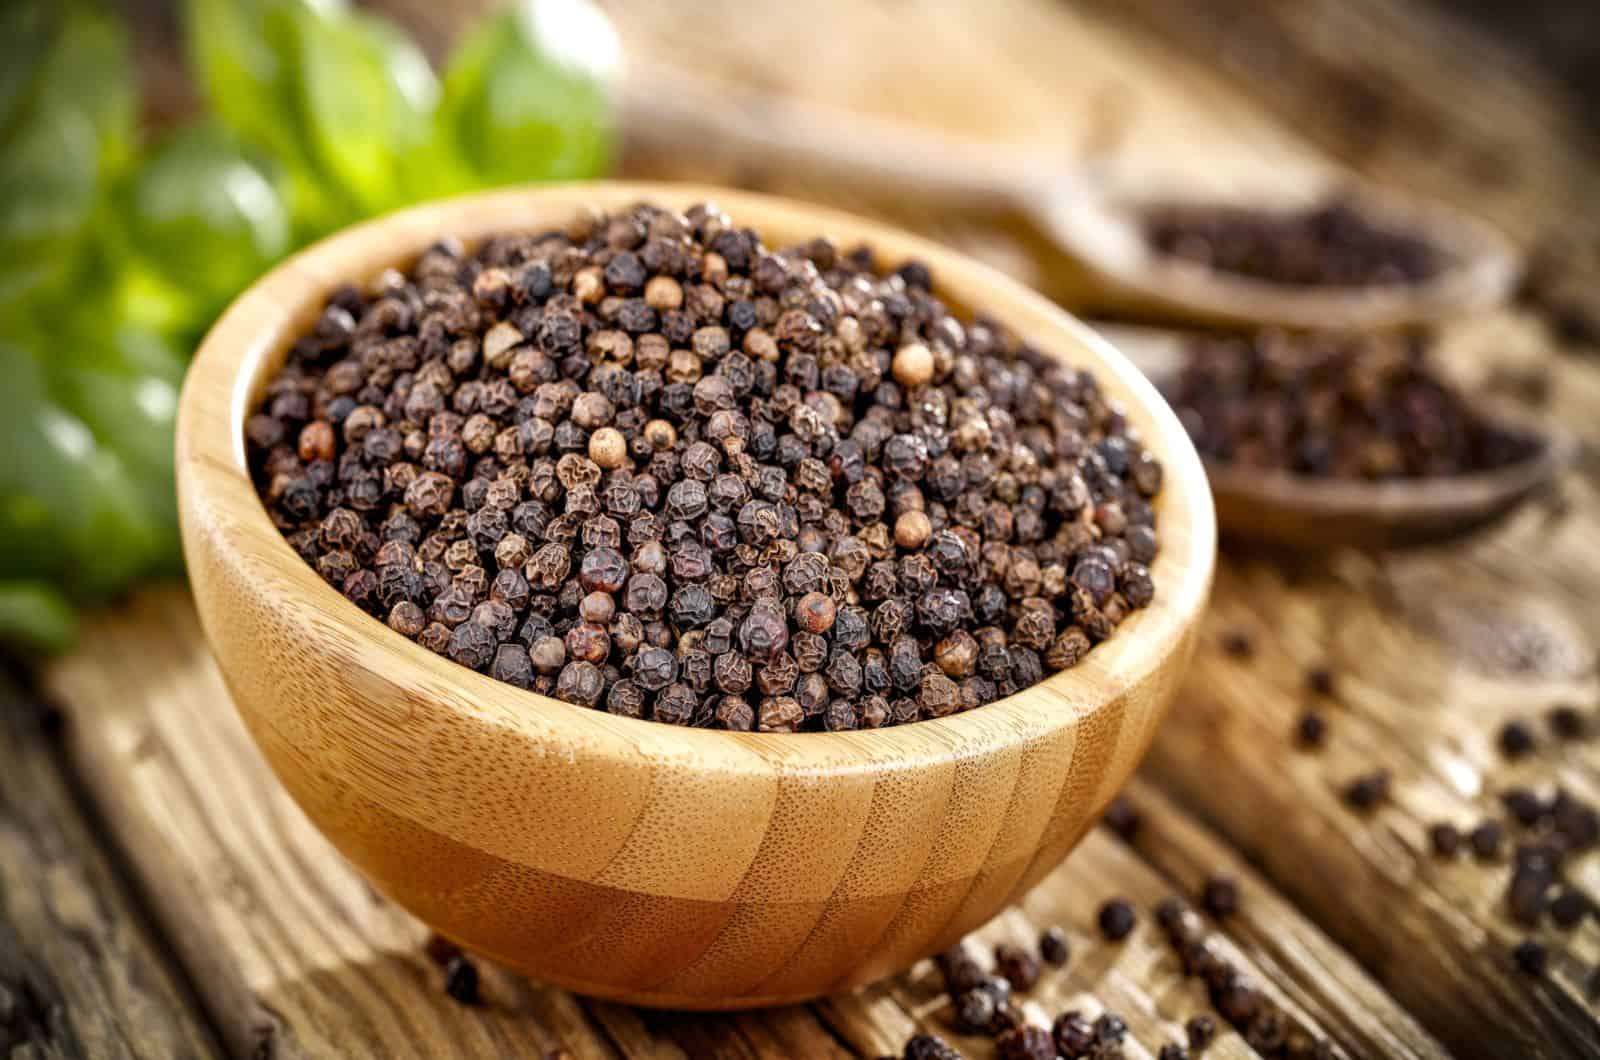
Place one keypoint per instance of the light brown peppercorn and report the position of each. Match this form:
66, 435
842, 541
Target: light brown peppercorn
608, 448
663, 293
316, 441
911, 530
661, 435
912, 365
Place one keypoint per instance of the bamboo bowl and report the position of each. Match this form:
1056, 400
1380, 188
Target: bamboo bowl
634, 860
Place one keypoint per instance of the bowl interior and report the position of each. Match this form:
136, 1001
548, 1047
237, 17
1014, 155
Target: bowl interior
251, 342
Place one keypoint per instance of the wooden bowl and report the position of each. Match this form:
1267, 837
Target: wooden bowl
635, 860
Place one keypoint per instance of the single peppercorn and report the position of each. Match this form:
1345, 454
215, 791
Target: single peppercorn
1026, 1042
1531, 957
1367, 790
461, 980
1054, 947
1568, 723
1312, 729
929, 1047
1016, 965
1122, 817
1116, 919
1237, 643
1445, 838
1320, 680
1516, 739
1485, 840
1074, 1035
1221, 895
1201, 1031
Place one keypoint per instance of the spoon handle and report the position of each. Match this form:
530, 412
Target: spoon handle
670, 111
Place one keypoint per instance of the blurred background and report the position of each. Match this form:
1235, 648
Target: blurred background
159, 156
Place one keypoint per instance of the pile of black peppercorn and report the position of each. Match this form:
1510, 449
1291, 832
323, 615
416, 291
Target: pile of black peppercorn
1357, 407
646, 465
1330, 245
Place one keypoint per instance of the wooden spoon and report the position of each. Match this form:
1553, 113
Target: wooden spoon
1305, 512
1090, 214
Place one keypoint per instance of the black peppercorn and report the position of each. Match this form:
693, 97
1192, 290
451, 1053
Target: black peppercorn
1116, 919
1053, 946
461, 980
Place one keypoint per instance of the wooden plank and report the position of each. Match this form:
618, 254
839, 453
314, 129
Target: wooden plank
296, 957
80, 976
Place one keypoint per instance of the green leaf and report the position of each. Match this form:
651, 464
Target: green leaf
70, 511
529, 95
89, 71
36, 616
47, 183
203, 217
368, 96
26, 29
245, 54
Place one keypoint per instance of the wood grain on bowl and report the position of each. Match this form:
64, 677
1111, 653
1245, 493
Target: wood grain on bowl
639, 861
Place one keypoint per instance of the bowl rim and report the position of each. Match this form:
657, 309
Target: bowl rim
219, 504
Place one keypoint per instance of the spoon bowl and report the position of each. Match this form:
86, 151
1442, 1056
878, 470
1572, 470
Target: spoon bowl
1089, 215
637, 860
1310, 513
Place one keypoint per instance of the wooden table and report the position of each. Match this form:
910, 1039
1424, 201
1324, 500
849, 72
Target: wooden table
160, 896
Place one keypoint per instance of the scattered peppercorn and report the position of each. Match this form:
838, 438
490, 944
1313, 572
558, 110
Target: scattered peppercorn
1026, 1042
1312, 729
1201, 1031
461, 980
1568, 908
1334, 406
1445, 839
1485, 840
1368, 790
1117, 919
1568, 723
1331, 244
1516, 739
1073, 1034
1531, 956
929, 1047
440, 950
1016, 965
1053, 946
625, 462
1320, 680
1237, 643
1122, 817
1221, 895
1172, 1051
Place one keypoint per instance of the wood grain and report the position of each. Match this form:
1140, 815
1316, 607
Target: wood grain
296, 957
712, 869
80, 973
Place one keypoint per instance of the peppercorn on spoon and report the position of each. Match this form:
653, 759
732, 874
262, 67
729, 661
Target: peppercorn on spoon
1307, 512
631, 859
1089, 213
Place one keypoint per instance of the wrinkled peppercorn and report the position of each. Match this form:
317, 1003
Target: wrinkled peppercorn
1026, 1042
1016, 965
649, 466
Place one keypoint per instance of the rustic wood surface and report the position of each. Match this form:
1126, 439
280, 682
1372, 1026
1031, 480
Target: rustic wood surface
1345, 915
295, 956
81, 975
